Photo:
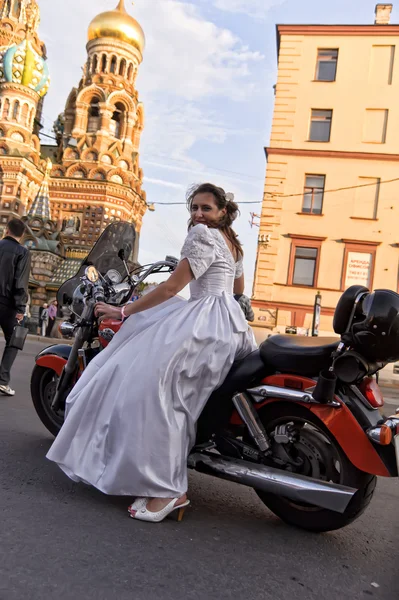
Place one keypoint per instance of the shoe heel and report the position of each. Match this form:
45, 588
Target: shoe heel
178, 513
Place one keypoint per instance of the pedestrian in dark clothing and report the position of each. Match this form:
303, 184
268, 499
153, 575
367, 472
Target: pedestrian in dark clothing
14, 280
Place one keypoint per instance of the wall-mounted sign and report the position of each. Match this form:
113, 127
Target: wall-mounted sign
358, 270
269, 319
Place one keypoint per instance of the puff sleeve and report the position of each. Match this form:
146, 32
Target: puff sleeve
199, 249
239, 269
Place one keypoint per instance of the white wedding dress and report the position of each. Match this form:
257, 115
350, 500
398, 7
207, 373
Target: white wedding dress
131, 416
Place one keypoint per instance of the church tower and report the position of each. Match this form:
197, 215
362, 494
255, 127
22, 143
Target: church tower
24, 81
97, 177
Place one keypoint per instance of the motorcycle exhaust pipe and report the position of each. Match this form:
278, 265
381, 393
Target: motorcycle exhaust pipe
280, 483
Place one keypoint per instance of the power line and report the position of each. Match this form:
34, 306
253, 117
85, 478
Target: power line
341, 189
299, 194
185, 204
47, 136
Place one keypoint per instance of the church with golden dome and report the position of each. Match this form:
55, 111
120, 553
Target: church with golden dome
68, 192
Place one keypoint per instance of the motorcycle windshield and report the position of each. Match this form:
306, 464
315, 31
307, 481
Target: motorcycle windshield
104, 256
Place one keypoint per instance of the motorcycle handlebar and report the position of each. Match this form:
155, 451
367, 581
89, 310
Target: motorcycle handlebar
98, 294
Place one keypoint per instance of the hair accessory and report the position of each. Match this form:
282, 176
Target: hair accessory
230, 197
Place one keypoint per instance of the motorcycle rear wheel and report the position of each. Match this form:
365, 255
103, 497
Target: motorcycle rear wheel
43, 385
313, 518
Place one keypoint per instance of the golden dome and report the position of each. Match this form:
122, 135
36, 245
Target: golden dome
117, 24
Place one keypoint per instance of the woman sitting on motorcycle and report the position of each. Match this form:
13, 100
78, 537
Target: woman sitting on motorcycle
131, 418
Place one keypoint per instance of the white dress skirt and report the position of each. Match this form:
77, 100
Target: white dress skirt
131, 417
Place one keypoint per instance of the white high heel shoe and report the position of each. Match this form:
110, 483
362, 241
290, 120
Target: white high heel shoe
156, 517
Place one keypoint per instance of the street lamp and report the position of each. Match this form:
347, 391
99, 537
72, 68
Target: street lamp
316, 315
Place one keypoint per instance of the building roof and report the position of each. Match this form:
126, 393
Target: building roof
336, 30
41, 204
68, 268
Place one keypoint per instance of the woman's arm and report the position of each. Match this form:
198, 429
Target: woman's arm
164, 291
239, 285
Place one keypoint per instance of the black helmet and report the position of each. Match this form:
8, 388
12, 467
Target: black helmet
376, 336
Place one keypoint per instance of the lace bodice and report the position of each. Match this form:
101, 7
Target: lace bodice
211, 262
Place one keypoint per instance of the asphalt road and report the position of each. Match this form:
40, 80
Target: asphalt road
63, 541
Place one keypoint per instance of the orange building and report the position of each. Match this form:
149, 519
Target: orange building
330, 209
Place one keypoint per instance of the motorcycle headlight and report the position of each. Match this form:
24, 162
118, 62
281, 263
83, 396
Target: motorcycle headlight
67, 329
92, 274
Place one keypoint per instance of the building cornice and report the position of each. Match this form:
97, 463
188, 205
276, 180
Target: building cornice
361, 242
301, 236
331, 154
289, 306
337, 30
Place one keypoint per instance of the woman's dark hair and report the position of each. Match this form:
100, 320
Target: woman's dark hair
232, 211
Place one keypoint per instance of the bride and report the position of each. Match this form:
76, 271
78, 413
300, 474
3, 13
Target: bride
131, 417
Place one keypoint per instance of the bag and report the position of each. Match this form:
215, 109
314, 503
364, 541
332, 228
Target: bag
18, 337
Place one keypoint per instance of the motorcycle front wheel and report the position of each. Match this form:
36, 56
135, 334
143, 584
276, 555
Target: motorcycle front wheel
43, 386
321, 458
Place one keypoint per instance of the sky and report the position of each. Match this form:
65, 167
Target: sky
206, 82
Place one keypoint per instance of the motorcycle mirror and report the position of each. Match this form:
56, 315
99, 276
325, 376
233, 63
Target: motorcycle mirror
121, 255
171, 259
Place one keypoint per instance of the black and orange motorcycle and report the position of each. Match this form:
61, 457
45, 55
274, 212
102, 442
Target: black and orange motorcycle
300, 420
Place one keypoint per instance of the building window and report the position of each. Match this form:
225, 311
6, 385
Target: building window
94, 116
359, 263
303, 267
375, 126
326, 68
366, 198
113, 64
305, 261
382, 65
313, 194
320, 125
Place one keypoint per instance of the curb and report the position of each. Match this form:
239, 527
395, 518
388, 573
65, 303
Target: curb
31, 337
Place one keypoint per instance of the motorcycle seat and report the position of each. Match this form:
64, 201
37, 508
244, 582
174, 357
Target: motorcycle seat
305, 356
244, 373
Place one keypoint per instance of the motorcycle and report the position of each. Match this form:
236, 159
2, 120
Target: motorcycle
299, 420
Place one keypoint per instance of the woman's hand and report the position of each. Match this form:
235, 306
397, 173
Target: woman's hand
104, 311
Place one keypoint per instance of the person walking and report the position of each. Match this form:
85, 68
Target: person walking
43, 320
52, 314
14, 280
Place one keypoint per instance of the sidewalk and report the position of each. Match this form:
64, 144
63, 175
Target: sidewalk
32, 337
